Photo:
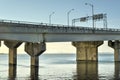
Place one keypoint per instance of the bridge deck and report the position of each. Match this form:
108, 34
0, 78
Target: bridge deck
38, 32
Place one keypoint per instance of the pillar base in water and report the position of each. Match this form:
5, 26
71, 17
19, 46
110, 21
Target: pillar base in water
12, 45
34, 50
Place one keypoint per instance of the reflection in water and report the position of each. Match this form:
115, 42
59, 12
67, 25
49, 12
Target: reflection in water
34, 72
12, 72
87, 70
117, 71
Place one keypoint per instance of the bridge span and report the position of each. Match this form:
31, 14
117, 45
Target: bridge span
40, 32
35, 35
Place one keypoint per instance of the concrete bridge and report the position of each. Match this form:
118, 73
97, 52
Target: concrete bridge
35, 35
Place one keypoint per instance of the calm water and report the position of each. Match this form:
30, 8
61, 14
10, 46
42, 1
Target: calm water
62, 67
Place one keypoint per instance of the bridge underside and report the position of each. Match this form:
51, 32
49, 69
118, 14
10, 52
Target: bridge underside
63, 37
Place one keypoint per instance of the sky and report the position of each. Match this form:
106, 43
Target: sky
39, 11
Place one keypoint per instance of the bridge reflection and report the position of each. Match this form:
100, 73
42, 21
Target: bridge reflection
84, 70
12, 72
117, 71
87, 70
33, 73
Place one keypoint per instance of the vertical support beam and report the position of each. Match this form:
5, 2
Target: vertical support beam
34, 60
12, 56
34, 50
87, 51
87, 70
116, 46
12, 45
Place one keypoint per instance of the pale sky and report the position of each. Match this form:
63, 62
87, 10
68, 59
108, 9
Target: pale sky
39, 11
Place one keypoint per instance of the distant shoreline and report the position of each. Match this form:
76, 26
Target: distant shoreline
56, 53
3, 53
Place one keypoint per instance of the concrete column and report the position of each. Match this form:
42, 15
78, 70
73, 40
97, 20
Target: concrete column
87, 70
116, 46
34, 50
12, 45
87, 51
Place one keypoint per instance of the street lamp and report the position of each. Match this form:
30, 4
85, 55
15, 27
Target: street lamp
50, 17
92, 12
68, 15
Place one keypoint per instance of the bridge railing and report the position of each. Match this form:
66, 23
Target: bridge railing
21, 22
33, 23
58, 25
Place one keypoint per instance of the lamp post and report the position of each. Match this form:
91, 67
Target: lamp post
92, 12
50, 17
68, 13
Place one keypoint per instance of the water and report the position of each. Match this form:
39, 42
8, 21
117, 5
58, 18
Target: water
62, 67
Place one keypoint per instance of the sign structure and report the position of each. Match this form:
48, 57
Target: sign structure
96, 17
83, 19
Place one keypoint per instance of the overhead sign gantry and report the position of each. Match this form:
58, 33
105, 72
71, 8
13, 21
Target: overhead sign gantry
96, 17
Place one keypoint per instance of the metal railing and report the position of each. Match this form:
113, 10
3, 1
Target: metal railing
58, 25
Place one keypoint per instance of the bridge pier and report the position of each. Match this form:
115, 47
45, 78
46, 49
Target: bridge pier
116, 46
34, 50
12, 45
87, 51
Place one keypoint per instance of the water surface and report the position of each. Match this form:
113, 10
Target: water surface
62, 67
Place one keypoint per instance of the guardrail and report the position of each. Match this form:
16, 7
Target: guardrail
33, 23
21, 22
58, 25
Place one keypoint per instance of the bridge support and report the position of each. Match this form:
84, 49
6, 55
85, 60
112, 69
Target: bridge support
116, 46
87, 51
34, 50
12, 45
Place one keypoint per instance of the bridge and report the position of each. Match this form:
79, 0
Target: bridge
35, 35
40, 32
